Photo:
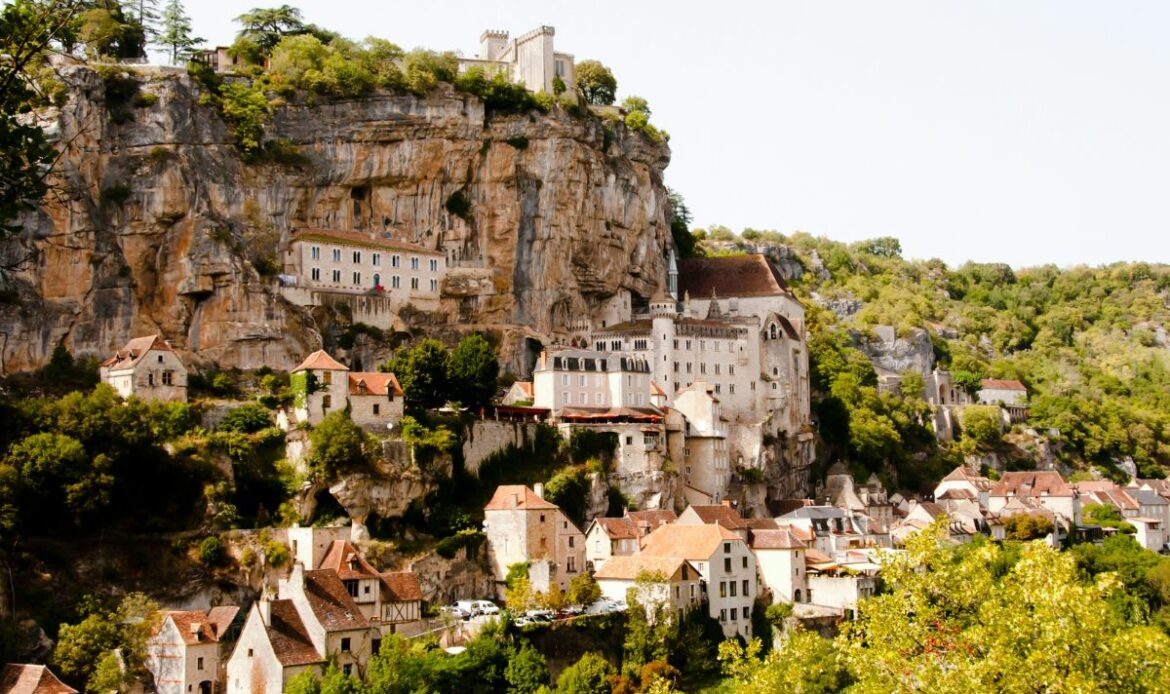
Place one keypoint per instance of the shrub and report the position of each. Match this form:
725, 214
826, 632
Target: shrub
116, 194
468, 537
246, 419
159, 155
212, 553
145, 100
276, 553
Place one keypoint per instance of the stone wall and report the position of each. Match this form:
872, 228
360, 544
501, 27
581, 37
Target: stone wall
487, 436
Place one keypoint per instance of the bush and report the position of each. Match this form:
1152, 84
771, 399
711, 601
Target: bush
212, 552
276, 553
145, 100
246, 419
116, 194
468, 537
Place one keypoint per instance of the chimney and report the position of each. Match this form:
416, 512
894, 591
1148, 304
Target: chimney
538, 489
265, 610
543, 359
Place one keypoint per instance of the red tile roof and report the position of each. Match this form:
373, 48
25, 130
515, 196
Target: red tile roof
723, 515
996, 384
374, 383
1032, 483
737, 275
525, 387
962, 474
331, 603
289, 638
320, 361
618, 528
362, 239
221, 618
651, 519
347, 562
196, 627
518, 496
631, 567
696, 542
31, 679
403, 586
775, 539
135, 350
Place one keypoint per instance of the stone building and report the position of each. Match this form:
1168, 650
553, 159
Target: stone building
610, 537
522, 527
313, 621
373, 275
322, 385
725, 563
780, 556
1043, 488
528, 59
670, 581
146, 368
391, 601
184, 654
704, 465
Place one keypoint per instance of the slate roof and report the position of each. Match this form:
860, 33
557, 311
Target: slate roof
135, 350
361, 239
697, 542
320, 361
331, 603
526, 499
374, 383
739, 275
31, 679
288, 636
632, 566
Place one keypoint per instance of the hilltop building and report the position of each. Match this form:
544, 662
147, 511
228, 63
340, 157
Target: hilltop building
322, 385
146, 368
184, 654
528, 59
522, 527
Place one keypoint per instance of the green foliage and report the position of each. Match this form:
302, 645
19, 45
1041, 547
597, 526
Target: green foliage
246, 419
82, 651
805, 663
422, 373
245, 108
339, 446
1025, 527
527, 671
469, 538
212, 552
595, 83
423, 69
680, 221
176, 34
473, 371
458, 205
116, 194
583, 589
980, 424
589, 675
569, 489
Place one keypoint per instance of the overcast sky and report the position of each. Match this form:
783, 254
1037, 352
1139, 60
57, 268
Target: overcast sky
1019, 131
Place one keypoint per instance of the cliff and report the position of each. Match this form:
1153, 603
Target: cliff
156, 224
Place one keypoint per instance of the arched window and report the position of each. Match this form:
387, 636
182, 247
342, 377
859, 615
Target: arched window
772, 332
377, 280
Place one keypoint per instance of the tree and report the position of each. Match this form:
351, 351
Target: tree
107, 31
804, 663
527, 671
338, 446
80, 646
176, 32
636, 103
595, 83
589, 675
1024, 527
980, 424
145, 12
265, 27
583, 589
422, 372
680, 221
28, 29
246, 419
473, 371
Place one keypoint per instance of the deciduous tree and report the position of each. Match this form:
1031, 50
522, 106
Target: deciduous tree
595, 83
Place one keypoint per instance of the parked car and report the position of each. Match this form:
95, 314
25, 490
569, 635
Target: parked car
455, 611
474, 608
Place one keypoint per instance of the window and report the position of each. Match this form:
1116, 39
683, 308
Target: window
345, 645
395, 260
337, 255
395, 282
598, 399
337, 276
564, 398
357, 278
723, 615
688, 344
581, 380
571, 565
315, 273
676, 344
746, 589
731, 388
688, 367
727, 565
727, 548
357, 257
745, 562
249, 652
571, 539
434, 265
629, 440
327, 401
327, 377
168, 378
717, 369
377, 259
414, 262
733, 589
199, 663
734, 614
377, 280
703, 368
434, 285
315, 252
377, 408
723, 589
582, 399
351, 587
150, 379
542, 518
414, 283
347, 669
565, 380
676, 367
731, 369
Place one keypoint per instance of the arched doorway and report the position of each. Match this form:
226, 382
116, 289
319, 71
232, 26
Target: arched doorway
796, 596
205, 687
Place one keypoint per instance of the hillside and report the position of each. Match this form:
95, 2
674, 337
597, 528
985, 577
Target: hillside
1089, 343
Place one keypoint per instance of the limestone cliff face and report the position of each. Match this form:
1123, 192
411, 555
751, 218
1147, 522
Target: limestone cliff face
155, 222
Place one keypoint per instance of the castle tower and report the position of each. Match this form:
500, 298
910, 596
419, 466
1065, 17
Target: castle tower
672, 276
491, 44
663, 310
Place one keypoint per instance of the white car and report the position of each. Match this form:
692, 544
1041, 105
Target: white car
485, 607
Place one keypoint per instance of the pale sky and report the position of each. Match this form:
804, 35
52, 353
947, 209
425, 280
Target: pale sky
1018, 131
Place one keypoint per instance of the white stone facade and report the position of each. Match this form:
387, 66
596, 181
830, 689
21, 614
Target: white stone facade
146, 368
529, 59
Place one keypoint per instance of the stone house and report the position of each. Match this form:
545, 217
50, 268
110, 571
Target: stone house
529, 59
322, 385
609, 537
705, 466
836, 530
184, 653
314, 620
391, 601
522, 527
719, 514
970, 485
146, 368
780, 557
670, 581
1011, 395
724, 562
31, 679
1046, 487
841, 586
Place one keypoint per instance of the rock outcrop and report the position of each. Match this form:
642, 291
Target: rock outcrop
156, 224
893, 354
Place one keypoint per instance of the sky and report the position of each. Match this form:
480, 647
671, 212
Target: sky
1018, 131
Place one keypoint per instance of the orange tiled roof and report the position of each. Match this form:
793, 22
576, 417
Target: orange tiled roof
403, 586
723, 515
999, 384
358, 238
652, 518
1032, 483
739, 275
635, 565
618, 528
517, 496
374, 383
135, 350
331, 603
288, 636
346, 561
196, 626
31, 679
697, 542
320, 361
